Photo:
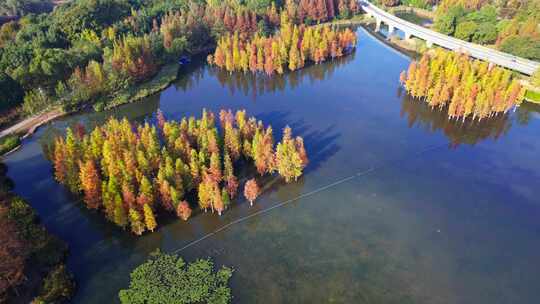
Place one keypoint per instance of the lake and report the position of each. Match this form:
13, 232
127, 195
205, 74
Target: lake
397, 205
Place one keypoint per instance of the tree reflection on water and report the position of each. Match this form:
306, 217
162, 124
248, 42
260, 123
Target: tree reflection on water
256, 84
469, 132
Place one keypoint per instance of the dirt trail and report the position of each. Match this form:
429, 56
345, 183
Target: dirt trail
30, 124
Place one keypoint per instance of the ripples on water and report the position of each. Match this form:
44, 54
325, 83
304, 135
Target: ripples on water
455, 224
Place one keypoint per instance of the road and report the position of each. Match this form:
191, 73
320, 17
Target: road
506, 60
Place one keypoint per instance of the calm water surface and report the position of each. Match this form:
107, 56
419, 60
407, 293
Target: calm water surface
438, 211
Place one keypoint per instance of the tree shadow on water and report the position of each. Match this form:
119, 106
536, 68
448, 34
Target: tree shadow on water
320, 144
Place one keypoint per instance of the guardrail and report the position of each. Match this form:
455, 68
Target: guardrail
516, 63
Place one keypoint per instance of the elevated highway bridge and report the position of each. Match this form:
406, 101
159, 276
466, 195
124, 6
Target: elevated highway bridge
522, 65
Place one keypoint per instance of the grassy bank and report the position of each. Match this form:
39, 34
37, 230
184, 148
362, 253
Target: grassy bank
424, 13
162, 80
532, 96
354, 20
28, 126
9, 143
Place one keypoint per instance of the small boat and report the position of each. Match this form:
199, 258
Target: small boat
184, 60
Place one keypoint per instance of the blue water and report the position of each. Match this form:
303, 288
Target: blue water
433, 211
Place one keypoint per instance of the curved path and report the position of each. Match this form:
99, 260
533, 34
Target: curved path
512, 62
30, 124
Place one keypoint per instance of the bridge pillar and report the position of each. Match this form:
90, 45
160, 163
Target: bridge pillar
391, 30
378, 26
407, 36
429, 44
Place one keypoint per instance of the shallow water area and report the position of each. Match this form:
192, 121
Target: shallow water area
397, 205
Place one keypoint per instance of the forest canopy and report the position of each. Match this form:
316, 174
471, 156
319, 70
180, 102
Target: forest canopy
511, 26
23, 7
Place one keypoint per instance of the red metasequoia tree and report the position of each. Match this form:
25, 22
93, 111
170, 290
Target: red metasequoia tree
251, 191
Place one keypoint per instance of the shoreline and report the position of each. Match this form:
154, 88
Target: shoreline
404, 48
29, 125
169, 73
162, 80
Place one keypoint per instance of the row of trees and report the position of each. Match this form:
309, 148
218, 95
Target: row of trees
316, 11
466, 87
291, 48
132, 171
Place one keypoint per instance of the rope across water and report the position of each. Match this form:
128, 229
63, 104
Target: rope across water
304, 195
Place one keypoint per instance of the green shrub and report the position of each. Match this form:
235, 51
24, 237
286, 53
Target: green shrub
485, 34
35, 101
58, 286
525, 47
416, 3
466, 30
166, 278
11, 93
532, 96
9, 143
535, 78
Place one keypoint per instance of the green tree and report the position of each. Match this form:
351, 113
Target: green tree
466, 30
11, 93
120, 216
536, 78
447, 23
288, 159
485, 34
225, 198
167, 278
522, 46
149, 218
35, 101
135, 221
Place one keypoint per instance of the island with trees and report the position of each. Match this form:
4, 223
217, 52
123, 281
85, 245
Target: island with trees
288, 49
133, 172
463, 86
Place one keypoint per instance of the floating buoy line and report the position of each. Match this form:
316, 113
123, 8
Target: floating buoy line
304, 195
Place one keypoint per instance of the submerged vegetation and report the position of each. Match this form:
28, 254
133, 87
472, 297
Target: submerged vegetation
166, 278
133, 171
31, 259
291, 48
465, 87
